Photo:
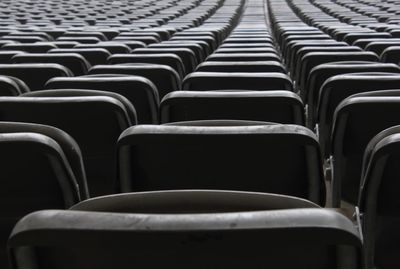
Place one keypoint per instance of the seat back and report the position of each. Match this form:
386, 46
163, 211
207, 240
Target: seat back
95, 122
186, 55
6, 55
197, 49
391, 55
73, 61
164, 77
167, 157
111, 47
93, 55
36, 174
337, 88
138, 90
66, 239
240, 57
357, 120
30, 47
168, 59
35, 75
10, 87
206, 81
322, 72
312, 59
271, 106
234, 66
378, 201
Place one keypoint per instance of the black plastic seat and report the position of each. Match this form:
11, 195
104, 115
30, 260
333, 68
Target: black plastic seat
30, 47
186, 55
35, 75
223, 57
339, 87
10, 86
245, 50
65, 239
206, 81
95, 122
168, 59
39, 34
235, 66
24, 39
363, 42
353, 37
229, 157
93, 56
378, 201
41, 168
245, 45
322, 72
143, 39
73, 61
357, 120
64, 44
312, 59
212, 43
294, 46
379, 46
112, 47
271, 106
296, 64
80, 39
164, 77
130, 109
99, 35
391, 55
155, 35
132, 44
307, 37
6, 55
247, 40
138, 90
194, 46
191, 201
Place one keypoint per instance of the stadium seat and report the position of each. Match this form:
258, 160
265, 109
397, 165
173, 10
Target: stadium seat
319, 74
93, 56
223, 57
378, 201
6, 55
10, 86
30, 47
73, 61
357, 120
241, 67
65, 239
206, 81
168, 59
337, 88
271, 106
164, 77
228, 154
391, 55
186, 55
41, 169
35, 75
92, 121
194, 46
138, 90
312, 59
112, 47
